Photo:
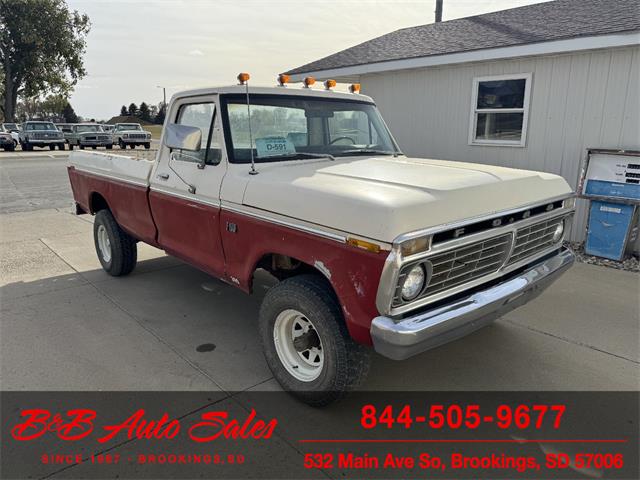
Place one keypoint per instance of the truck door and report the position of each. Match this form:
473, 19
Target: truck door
185, 189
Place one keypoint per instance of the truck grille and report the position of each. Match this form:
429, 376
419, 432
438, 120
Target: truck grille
41, 136
461, 265
137, 136
533, 239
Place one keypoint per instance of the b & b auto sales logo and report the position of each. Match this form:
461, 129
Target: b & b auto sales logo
80, 423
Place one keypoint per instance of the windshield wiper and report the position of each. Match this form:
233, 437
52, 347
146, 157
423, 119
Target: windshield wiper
300, 155
369, 150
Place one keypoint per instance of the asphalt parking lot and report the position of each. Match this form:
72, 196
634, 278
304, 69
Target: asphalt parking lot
67, 325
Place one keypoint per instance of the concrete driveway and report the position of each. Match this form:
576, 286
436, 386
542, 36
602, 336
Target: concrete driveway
65, 324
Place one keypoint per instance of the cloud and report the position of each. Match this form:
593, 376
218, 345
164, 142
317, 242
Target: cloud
196, 53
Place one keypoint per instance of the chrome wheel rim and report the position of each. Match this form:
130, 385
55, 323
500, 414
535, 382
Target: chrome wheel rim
298, 345
104, 244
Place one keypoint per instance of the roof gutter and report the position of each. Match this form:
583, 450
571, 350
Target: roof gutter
500, 53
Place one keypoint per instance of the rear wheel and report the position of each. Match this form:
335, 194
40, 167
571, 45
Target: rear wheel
116, 249
81, 147
94, 147
71, 146
52, 147
108, 147
306, 343
61, 146
132, 146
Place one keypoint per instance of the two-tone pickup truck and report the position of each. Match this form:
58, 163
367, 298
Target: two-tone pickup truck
88, 135
130, 135
370, 247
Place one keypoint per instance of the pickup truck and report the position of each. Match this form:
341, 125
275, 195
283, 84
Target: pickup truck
370, 248
40, 134
88, 135
130, 135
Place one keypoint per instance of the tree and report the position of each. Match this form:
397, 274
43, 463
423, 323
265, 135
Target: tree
144, 112
133, 110
52, 106
162, 112
41, 47
69, 114
123, 111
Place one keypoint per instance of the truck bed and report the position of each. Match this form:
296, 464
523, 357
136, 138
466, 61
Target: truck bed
119, 183
133, 167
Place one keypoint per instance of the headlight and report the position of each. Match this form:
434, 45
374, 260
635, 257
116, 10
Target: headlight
148, 135
126, 135
413, 283
558, 232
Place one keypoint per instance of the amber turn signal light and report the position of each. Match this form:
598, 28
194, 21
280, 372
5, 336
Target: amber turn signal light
243, 78
329, 84
308, 81
355, 88
356, 242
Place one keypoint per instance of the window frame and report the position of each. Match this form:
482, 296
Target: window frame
209, 139
473, 119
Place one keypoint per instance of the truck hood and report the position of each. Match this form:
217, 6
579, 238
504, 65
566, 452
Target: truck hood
383, 197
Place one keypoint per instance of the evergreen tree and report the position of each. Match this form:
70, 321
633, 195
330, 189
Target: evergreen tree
123, 111
144, 112
162, 111
133, 110
69, 114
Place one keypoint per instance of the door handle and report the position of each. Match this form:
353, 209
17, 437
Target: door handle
163, 176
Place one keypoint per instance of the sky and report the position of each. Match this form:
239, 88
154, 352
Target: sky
137, 45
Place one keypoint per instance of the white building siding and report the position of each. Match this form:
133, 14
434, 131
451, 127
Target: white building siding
578, 101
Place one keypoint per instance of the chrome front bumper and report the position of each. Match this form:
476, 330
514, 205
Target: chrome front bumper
400, 339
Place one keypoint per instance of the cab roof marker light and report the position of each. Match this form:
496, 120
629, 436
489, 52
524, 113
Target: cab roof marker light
354, 88
308, 81
243, 78
283, 80
329, 84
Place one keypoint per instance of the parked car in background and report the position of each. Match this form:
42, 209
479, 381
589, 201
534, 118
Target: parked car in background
65, 128
89, 135
131, 135
41, 134
11, 127
15, 135
7, 143
108, 128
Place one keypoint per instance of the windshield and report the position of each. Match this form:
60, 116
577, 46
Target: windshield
129, 126
291, 127
41, 126
10, 126
88, 128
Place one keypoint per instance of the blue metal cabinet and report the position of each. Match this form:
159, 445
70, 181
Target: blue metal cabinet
612, 227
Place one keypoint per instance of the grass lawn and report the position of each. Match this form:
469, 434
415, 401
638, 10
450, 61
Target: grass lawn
156, 131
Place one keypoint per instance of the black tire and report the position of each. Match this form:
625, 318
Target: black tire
108, 147
346, 363
147, 146
61, 146
71, 146
28, 147
52, 147
94, 147
123, 248
132, 146
121, 144
15, 144
81, 147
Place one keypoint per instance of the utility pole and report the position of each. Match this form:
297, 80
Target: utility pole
438, 11
164, 95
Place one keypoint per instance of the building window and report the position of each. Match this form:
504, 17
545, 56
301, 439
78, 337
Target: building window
499, 110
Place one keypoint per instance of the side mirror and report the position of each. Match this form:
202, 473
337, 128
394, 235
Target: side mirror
183, 137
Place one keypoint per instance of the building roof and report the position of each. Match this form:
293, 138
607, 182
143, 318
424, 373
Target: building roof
127, 119
541, 22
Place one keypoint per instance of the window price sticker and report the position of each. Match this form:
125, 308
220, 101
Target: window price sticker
272, 146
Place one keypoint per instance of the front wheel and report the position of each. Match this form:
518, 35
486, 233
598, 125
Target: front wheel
61, 146
116, 249
108, 147
147, 146
52, 147
306, 343
121, 144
